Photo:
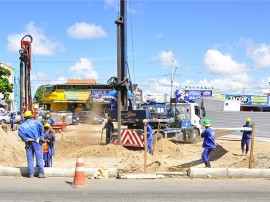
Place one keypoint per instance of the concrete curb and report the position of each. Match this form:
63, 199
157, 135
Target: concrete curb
140, 176
52, 172
228, 173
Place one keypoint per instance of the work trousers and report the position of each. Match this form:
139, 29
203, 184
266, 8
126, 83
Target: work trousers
47, 159
34, 149
149, 145
245, 142
108, 136
205, 154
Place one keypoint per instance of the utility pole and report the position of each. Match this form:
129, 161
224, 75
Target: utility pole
172, 80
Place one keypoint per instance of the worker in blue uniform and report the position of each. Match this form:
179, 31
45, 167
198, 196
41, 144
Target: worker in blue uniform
31, 132
49, 120
109, 129
149, 132
12, 117
48, 145
208, 143
245, 141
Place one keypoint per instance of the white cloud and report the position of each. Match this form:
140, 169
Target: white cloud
41, 44
260, 54
82, 30
84, 70
111, 3
167, 59
159, 35
218, 63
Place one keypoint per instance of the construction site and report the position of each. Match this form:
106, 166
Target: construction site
88, 142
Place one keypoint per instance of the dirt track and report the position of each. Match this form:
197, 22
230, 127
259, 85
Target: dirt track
84, 140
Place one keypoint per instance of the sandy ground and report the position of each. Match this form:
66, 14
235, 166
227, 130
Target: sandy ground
85, 140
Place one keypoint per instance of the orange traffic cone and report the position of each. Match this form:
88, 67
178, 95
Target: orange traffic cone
79, 177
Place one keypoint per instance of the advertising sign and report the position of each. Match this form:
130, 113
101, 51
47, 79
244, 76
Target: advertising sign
192, 95
250, 100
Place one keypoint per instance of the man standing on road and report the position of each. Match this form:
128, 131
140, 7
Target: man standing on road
31, 132
245, 141
109, 129
208, 143
149, 136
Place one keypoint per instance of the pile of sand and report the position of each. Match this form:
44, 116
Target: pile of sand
12, 147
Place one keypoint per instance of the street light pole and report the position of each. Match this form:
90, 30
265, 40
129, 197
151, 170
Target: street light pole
172, 80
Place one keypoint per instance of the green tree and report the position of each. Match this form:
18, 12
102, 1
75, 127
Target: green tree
40, 92
5, 86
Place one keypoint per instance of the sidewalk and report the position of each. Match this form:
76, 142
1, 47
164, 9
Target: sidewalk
113, 173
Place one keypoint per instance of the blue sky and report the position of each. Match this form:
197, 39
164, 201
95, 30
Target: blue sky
224, 45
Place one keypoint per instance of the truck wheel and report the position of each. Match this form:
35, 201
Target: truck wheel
195, 136
2, 122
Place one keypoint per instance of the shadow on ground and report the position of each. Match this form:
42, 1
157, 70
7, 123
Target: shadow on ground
215, 155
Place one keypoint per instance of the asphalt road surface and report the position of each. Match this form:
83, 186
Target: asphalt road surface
60, 189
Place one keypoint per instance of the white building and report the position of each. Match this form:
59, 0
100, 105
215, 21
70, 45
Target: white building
11, 80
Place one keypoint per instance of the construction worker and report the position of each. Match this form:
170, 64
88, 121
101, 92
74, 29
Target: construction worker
113, 104
109, 129
149, 136
12, 117
31, 132
48, 145
245, 141
49, 119
208, 143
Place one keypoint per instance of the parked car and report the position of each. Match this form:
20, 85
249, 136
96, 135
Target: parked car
5, 118
89, 117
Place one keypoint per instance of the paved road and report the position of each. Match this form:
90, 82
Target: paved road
59, 189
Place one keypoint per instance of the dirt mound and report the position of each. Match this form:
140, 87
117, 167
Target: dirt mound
12, 148
167, 147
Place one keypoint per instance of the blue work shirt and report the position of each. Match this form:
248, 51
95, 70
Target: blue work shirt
31, 129
50, 121
247, 134
149, 132
209, 138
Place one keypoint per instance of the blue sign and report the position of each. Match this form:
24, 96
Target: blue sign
192, 95
250, 100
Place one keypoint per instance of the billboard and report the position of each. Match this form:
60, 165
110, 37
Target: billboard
246, 100
192, 95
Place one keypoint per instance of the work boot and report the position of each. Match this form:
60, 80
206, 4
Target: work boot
40, 175
207, 164
31, 176
243, 153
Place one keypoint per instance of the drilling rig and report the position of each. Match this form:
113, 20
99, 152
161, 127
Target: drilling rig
26, 102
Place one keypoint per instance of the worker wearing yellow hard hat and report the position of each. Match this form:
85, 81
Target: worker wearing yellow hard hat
48, 145
245, 141
149, 136
31, 132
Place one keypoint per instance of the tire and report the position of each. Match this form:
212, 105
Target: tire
195, 136
3, 121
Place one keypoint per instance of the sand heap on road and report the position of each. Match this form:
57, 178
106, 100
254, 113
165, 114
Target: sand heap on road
12, 147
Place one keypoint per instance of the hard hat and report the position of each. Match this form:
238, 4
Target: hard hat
108, 118
248, 119
47, 125
48, 115
27, 114
206, 122
145, 121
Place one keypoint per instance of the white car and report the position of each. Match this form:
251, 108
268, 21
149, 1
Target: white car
5, 118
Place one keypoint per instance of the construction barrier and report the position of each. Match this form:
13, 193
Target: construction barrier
129, 138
